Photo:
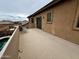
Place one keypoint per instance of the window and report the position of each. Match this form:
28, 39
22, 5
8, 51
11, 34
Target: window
32, 20
77, 25
49, 19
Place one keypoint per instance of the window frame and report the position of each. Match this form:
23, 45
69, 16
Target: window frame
49, 22
77, 25
76, 21
32, 20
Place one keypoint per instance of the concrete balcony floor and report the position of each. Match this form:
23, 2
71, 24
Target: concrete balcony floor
37, 44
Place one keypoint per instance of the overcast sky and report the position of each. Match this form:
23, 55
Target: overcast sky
22, 8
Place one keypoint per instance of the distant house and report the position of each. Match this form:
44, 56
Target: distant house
25, 23
5, 28
4, 25
60, 18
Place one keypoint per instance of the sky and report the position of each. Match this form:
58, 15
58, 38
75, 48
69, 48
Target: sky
19, 9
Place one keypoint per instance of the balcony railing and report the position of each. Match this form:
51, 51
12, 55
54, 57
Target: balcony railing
10, 50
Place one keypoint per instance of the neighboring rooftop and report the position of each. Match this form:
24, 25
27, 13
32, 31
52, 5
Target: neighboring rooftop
52, 3
6, 22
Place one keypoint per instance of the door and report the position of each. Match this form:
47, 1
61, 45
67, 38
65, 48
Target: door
39, 22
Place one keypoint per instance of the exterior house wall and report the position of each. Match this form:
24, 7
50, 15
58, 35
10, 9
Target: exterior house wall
64, 19
45, 25
31, 25
63, 16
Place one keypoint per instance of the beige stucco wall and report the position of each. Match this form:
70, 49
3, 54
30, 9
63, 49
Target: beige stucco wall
12, 49
64, 19
31, 25
45, 25
63, 16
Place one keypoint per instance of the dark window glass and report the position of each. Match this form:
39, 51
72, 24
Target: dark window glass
49, 17
32, 20
78, 22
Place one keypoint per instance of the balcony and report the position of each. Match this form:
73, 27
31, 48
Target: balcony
37, 44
